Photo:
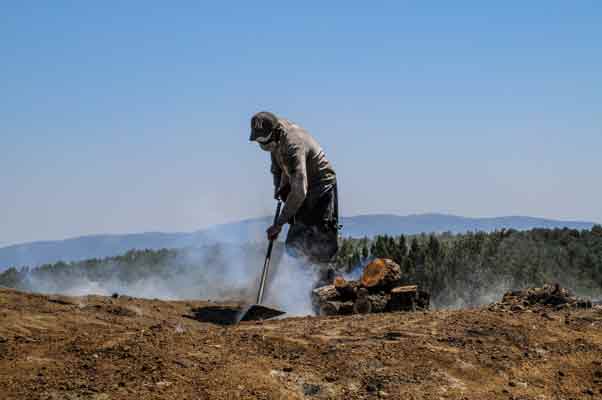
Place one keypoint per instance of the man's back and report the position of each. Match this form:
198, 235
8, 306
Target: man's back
298, 149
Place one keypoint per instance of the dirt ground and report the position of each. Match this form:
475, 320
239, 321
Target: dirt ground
101, 348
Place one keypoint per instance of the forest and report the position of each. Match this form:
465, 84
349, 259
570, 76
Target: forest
475, 268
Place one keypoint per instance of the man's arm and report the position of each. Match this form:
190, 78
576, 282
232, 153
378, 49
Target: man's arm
298, 182
276, 175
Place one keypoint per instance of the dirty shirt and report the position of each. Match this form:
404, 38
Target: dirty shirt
300, 162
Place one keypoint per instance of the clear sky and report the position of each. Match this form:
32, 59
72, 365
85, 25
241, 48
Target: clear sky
134, 116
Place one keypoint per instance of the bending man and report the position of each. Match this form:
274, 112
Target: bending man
305, 180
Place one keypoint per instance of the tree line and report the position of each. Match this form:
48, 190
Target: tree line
458, 269
477, 267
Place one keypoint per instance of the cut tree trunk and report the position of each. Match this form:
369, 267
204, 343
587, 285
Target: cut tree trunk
323, 295
347, 290
404, 298
372, 303
379, 302
424, 300
336, 308
362, 306
381, 274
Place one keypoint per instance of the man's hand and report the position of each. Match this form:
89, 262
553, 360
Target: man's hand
283, 192
274, 231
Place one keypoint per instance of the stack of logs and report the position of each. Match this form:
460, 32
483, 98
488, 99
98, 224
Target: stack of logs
378, 290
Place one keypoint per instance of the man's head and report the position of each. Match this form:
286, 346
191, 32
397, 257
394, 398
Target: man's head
263, 130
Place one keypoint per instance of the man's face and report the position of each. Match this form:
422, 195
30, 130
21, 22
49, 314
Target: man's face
271, 146
267, 142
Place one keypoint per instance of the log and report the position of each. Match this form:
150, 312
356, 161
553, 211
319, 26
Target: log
404, 298
347, 290
405, 289
381, 274
336, 308
362, 306
424, 300
323, 295
379, 302
372, 303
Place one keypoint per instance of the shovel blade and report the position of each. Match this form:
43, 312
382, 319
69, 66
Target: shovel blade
217, 314
258, 312
232, 315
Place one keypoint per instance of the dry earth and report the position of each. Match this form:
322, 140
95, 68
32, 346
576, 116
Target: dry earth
101, 348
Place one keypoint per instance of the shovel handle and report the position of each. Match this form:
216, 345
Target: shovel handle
266, 264
271, 245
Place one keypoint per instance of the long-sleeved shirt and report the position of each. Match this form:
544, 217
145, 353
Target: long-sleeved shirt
299, 160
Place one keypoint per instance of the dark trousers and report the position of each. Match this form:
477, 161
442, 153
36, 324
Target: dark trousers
313, 233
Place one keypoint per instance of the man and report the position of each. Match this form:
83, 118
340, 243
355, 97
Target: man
305, 180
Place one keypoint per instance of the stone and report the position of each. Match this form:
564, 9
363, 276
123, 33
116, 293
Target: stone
311, 389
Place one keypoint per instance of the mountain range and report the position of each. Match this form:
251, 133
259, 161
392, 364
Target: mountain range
97, 246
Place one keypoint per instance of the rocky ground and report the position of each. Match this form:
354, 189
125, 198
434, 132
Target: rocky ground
101, 348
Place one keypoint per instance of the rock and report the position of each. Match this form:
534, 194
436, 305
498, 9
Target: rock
311, 389
371, 387
517, 384
184, 363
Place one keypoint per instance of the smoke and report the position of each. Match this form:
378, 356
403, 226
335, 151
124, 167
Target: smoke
292, 282
471, 294
216, 273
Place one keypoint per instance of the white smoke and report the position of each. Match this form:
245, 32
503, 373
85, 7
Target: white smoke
219, 273
291, 285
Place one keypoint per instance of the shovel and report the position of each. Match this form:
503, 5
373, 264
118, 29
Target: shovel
227, 315
257, 311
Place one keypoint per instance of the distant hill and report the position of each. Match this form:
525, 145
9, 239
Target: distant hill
98, 246
371, 225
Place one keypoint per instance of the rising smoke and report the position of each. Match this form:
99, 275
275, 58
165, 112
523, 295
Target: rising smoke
216, 273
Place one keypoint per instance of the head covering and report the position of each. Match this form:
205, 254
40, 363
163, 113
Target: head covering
263, 125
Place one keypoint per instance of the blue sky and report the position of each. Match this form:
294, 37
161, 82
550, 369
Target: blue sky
133, 116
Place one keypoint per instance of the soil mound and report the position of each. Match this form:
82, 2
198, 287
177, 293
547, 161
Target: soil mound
100, 348
548, 297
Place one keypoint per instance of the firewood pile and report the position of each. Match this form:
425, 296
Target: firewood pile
378, 290
548, 297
